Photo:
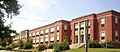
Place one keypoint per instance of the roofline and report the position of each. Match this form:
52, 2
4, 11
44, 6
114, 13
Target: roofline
49, 24
108, 11
96, 14
83, 16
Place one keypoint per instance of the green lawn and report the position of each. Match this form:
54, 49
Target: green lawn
93, 50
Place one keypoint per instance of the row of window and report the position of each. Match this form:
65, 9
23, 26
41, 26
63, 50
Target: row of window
46, 39
103, 36
47, 30
82, 24
103, 21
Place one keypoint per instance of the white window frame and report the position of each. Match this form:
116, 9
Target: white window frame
33, 34
57, 37
116, 35
51, 38
30, 35
76, 25
65, 27
58, 27
116, 19
102, 20
46, 30
51, 29
104, 35
41, 32
37, 33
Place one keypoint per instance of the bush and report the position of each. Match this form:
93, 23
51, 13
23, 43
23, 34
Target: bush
94, 44
28, 44
2, 48
50, 46
64, 45
56, 47
21, 44
61, 46
41, 47
9, 47
108, 44
14, 45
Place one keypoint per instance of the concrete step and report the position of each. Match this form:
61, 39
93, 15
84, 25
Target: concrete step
75, 46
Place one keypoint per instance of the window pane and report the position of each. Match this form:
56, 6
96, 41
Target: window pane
102, 20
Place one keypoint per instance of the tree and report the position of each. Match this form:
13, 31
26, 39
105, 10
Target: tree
8, 8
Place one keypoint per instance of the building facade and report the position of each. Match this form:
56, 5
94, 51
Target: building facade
22, 35
102, 27
51, 33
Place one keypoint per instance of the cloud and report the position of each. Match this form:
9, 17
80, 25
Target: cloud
37, 4
29, 17
27, 20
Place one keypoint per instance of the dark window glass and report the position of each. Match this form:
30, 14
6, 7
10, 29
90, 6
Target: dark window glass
102, 38
102, 25
116, 37
57, 30
65, 30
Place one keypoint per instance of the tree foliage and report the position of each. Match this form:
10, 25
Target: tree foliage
8, 8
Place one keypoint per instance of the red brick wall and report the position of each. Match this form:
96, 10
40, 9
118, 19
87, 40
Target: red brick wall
54, 25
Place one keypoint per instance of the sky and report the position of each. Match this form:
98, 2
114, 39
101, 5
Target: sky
37, 13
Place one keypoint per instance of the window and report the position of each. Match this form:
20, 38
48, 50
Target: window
76, 39
102, 35
33, 34
82, 24
46, 30
42, 32
82, 32
116, 20
102, 22
37, 33
116, 36
89, 23
65, 28
88, 30
58, 27
51, 29
30, 35
76, 25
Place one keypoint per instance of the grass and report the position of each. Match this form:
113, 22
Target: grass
94, 50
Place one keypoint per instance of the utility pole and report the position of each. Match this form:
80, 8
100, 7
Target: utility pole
86, 34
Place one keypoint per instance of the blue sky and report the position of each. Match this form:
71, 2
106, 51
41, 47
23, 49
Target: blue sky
36, 13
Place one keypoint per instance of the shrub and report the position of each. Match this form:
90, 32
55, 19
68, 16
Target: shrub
108, 44
103, 45
9, 47
14, 45
56, 47
94, 44
41, 47
64, 45
2, 48
61, 46
28, 44
50, 46
21, 44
